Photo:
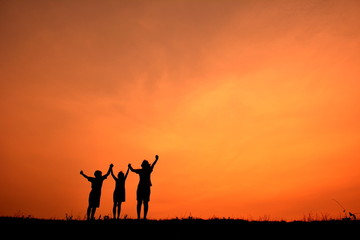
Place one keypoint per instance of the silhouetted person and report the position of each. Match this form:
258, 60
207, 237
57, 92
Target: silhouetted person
119, 192
143, 189
95, 193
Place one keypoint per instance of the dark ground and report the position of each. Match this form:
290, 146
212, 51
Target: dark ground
177, 229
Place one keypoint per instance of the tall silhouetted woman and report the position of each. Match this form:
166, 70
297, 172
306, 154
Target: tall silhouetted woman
119, 192
95, 193
143, 189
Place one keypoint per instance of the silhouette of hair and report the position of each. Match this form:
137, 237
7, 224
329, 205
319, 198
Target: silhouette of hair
121, 174
145, 164
97, 173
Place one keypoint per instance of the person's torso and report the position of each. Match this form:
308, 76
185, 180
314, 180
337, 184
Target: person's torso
120, 184
96, 184
145, 179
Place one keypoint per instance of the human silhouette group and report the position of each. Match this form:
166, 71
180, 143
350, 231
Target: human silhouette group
142, 193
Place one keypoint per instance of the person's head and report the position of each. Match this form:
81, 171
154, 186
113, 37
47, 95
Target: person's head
121, 174
97, 173
145, 164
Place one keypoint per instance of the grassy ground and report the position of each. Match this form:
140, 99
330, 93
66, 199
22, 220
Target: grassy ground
178, 229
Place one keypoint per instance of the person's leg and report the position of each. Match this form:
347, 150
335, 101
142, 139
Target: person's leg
119, 210
114, 210
138, 208
146, 207
88, 213
93, 210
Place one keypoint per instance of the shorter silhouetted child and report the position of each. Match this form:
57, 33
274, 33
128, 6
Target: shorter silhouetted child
95, 193
119, 192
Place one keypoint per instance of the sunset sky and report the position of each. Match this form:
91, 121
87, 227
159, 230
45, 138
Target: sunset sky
253, 106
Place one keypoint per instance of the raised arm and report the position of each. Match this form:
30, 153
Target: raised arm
84, 175
132, 169
156, 159
127, 172
109, 171
112, 174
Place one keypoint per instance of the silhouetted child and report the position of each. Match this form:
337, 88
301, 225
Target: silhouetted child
95, 193
143, 189
119, 192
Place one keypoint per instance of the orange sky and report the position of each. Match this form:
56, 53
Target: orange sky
252, 106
